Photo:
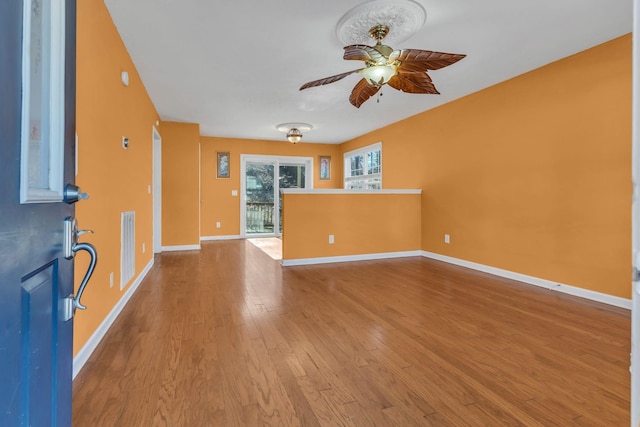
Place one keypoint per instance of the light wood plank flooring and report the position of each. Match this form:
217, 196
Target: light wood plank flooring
227, 337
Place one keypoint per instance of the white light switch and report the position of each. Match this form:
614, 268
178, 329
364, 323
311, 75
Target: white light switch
331, 239
234, 192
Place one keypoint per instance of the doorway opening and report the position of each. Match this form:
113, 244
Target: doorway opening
262, 178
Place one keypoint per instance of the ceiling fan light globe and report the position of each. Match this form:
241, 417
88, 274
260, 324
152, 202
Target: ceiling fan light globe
379, 75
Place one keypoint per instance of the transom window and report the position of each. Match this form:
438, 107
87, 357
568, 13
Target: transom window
363, 168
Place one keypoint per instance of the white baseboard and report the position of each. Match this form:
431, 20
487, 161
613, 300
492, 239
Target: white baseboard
210, 238
181, 248
349, 258
85, 352
547, 284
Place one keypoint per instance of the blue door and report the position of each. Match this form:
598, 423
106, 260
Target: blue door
35, 278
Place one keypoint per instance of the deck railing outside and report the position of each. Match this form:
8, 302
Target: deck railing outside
259, 217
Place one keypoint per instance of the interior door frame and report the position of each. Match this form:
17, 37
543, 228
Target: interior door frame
276, 161
635, 222
157, 190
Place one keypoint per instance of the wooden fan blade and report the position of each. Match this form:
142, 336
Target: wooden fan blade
415, 60
327, 80
362, 52
413, 83
361, 92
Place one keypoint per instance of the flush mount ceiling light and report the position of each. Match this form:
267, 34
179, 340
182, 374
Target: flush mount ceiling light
294, 135
294, 130
403, 69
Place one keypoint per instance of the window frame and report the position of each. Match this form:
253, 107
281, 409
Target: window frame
366, 176
48, 56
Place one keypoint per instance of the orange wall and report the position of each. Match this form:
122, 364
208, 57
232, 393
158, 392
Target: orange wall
116, 179
531, 175
360, 223
180, 184
218, 205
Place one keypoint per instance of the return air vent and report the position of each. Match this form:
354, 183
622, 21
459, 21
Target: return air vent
127, 250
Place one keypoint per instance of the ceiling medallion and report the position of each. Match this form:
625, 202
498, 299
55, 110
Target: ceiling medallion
403, 17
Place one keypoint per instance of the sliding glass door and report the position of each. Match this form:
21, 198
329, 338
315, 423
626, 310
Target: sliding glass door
260, 190
262, 179
290, 176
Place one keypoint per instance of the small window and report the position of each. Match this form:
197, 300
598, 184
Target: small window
43, 83
363, 168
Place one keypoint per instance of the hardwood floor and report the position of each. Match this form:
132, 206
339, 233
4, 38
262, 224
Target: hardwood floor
228, 337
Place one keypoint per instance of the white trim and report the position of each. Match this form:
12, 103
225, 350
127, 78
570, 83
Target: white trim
200, 188
156, 140
547, 284
635, 223
57, 97
212, 238
349, 258
181, 248
26, 96
343, 191
92, 343
363, 150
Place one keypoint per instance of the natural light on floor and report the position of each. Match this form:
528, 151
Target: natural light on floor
271, 246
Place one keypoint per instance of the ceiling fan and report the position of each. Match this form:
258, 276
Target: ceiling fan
404, 70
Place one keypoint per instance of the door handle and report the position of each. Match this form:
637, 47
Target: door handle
92, 266
70, 247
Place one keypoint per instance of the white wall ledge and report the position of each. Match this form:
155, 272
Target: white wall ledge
342, 191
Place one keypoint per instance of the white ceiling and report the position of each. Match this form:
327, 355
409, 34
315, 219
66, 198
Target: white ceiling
235, 67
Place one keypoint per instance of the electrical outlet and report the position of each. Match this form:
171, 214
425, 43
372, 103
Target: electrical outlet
331, 239
234, 193
218, 225
125, 142
111, 279
447, 238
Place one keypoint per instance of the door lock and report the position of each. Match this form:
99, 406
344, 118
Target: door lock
72, 194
